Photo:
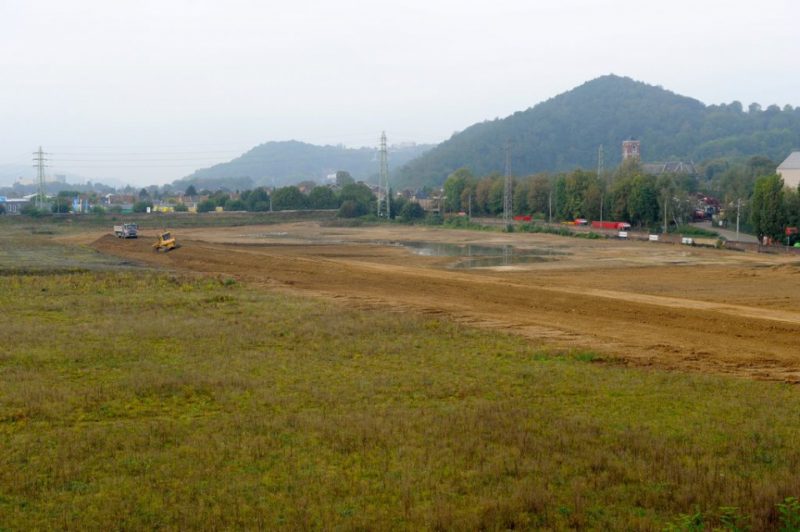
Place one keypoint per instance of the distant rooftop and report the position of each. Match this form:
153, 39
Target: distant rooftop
792, 162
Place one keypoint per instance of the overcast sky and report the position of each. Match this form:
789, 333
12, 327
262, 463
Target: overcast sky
158, 88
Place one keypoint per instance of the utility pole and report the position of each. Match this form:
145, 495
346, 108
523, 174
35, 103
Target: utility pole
469, 207
600, 172
665, 213
39, 159
600, 162
602, 195
507, 191
550, 206
383, 182
738, 212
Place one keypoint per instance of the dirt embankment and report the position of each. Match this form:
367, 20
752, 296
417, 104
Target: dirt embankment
699, 310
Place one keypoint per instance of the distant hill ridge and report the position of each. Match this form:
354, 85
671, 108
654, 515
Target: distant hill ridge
289, 162
565, 132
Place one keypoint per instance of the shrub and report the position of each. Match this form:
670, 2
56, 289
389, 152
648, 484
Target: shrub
141, 206
350, 209
789, 511
412, 211
206, 206
61, 205
32, 211
235, 205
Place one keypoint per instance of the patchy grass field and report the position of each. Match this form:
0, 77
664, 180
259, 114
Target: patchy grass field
141, 400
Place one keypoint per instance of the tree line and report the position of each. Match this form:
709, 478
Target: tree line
349, 198
629, 194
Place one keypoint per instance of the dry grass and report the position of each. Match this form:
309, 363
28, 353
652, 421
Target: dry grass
140, 400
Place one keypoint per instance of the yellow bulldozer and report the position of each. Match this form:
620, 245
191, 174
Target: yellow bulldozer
166, 242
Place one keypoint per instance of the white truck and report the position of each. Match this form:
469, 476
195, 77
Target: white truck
126, 231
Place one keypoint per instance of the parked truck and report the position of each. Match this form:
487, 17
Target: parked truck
126, 231
619, 226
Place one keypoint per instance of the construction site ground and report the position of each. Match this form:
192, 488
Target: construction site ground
640, 303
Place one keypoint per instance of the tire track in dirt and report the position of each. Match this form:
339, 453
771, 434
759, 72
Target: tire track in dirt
640, 329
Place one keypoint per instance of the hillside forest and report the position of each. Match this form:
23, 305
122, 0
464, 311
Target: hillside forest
566, 131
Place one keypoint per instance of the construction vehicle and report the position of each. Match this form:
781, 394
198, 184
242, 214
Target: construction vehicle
166, 242
126, 231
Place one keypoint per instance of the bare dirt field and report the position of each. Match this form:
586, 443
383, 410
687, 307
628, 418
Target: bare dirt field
645, 304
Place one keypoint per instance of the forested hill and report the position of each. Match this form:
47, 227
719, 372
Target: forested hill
565, 132
290, 162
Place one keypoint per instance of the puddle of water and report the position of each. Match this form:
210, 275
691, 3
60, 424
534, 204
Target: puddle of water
480, 255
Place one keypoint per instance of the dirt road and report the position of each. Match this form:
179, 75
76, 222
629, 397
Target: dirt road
645, 304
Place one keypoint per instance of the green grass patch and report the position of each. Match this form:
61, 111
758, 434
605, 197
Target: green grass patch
691, 230
558, 230
138, 400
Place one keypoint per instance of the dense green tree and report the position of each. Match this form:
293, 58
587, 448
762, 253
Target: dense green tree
351, 209
180, 207
767, 216
412, 211
289, 198
482, 193
142, 206
191, 191
220, 198
344, 178
539, 193
360, 195
496, 194
791, 208
323, 198
519, 202
643, 209
619, 195
235, 205
559, 198
454, 186
61, 205
256, 200
581, 193
207, 205
144, 194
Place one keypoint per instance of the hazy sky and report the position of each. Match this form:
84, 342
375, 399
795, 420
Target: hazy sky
150, 90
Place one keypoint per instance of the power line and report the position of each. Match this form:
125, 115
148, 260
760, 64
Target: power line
147, 160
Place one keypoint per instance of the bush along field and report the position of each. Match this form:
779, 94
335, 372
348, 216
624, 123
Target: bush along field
142, 400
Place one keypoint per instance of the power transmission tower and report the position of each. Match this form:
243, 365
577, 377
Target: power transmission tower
384, 194
39, 159
507, 191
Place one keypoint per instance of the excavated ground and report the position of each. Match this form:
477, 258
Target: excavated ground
641, 303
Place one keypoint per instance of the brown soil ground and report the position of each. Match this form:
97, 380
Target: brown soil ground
641, 303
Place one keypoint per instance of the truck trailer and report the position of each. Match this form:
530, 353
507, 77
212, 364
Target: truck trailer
126, 231
618, 226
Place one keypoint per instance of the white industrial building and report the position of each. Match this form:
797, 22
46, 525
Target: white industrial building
789, 170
